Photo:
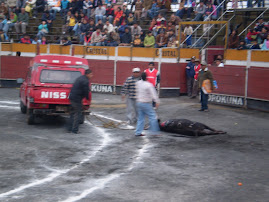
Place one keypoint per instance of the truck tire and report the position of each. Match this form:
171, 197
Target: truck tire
23, 108
82, 119
30, 117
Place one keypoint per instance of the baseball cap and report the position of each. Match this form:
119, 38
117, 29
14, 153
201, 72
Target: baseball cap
137, 69
204, 63
193, 57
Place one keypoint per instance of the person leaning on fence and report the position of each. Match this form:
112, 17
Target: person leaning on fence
128, 92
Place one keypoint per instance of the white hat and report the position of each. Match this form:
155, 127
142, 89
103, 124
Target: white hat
137, 69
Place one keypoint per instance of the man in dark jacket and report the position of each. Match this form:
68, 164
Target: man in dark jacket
190, 75
40, 7
84, 28
126, 38
48, 18
79, 91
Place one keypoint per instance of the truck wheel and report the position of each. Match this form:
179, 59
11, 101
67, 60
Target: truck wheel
82, 119
30, 117
23, 108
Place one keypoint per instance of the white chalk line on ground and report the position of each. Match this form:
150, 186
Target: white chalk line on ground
9, 107
101, 183
53, 175
9, 102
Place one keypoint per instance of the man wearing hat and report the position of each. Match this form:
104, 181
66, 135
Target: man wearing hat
190, 75
197, 68
129, 90
204, 74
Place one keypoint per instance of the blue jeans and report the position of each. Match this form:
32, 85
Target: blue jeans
75, 116
110, 19
146, 109
204, 100
98, 17
188, 41
96, 44
40, 34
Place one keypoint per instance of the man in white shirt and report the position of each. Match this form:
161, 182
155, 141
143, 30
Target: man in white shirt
145, 93
219, 63
109, 27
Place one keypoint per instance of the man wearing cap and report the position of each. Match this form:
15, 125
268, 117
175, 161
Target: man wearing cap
197, 68
129, 90
109, 14
204, 74
190, 75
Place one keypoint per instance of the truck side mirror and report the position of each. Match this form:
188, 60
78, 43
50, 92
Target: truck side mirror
20, 80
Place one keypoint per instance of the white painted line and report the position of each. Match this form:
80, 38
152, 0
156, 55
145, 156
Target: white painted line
53, 175
9, 107
10, 102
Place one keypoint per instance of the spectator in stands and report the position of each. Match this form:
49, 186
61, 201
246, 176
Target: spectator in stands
48, 18
67, 19
11, 22
242, 45
104, 37
64, 8
149, 40
113, 39
265, 45
83, 16
171, 37
22, 22
42, 30
109, 15
71, 24
11, 4
66, 42
126, 38
3, 9
56, 7
36, 40
142, 36
96, 3
3, 22
137, 41
121, 29
160, 20
208, 11
29, 7
162, 28
131, 19
87, 8
262, 35
259, 25
87, 39
125, 9
255, 45
200, 11
44, 41
161, 40
260, 3
175, 20
96, 39
135, 29
188, 8
123, 18
147, 6
84, 28
39, 7
118, 15
233, 40
138, 9
100, 11
25, 39
218, 63
251, 36
170, 27
92, 26
153, 24
19, 5
79, 6
153, 12
109, 27
99, 24
188, 30
3, 37
72, 6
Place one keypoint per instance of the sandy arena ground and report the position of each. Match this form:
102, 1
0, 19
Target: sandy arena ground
43, 162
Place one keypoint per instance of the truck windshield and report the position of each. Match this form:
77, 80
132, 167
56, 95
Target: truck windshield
59, 76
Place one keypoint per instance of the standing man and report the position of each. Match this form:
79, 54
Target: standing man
145, 93
129, 90
79, 91
197, 68
204, 76
153, 75
190, 75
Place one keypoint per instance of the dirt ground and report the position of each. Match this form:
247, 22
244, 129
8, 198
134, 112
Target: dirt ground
43, 162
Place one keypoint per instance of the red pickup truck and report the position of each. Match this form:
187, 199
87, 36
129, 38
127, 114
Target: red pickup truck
47, 86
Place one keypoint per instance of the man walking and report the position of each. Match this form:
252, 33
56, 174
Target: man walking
129, 90
145, 93
205, 81
79, 91
197, 68
190, 75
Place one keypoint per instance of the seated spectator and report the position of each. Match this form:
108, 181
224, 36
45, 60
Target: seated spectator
162, 28
125, 10
208, 11
67, 19
175, 20
19, 5
135, 29
72, 6
126, 38
138, 9
265, 45
170, 27
96, 3
99, 12
153, 24
160, 19
39, 7
104, 37
161, 40
87, 39
3, 22
153, 12
171, 39
142, 36
64, 8
43, 41
42, 30
251, 36
83, 16
188, 30
233, 40
121, 29
77, 17
11, 22
149, 40
92, 26
259, 25
3, 37
84, 28
56, 7
165, 6
262, 35
87, 8
199, 11
146, 7
79, 6
123, 18
242, 46
22, 22
66, 42
131, 19
218, 63
29, 6
137, 41
109, 15
99, 24
36, 40
113, 39
3, 9
25, 39
48, 18
71, 24
255, 45
118, 15
96, 39
188, 8
109, 27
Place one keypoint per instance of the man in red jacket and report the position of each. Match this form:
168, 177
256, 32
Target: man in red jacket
153, 75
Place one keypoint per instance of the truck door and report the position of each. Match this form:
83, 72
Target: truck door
25, 86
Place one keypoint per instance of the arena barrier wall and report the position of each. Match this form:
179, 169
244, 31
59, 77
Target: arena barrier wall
242, 82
